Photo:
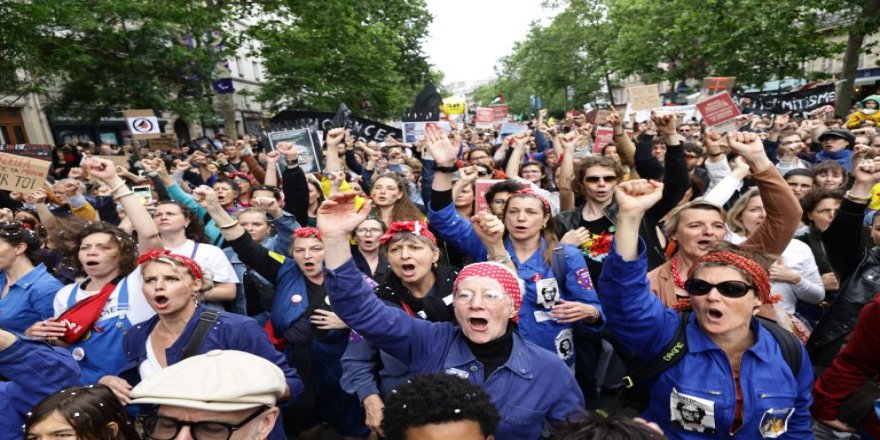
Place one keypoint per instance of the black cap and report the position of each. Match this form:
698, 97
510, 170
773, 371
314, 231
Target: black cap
840, 134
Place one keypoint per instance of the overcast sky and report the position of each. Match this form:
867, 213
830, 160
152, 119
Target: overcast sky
467, 37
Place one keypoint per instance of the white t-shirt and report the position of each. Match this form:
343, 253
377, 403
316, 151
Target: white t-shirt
139, 309
209, 257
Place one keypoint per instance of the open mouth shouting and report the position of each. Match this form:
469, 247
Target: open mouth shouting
478, 324
162, 302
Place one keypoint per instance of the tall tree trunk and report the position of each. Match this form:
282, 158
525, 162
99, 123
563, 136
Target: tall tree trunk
855, 38
226, 105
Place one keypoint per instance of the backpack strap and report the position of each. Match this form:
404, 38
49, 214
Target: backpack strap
674, 351
790, 345
206, 320
557, 263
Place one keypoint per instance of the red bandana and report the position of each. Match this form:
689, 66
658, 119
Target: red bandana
241, 175
498, 272
307, 233
191, 264
528, 191
758, 273
413, 227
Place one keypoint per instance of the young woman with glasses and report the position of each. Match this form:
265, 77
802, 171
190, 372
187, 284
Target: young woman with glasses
366, 252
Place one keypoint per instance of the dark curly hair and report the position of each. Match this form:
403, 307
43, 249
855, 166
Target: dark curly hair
593, 426
195, 230
89, 410
13, 233
437, 398
128, 252
812, 198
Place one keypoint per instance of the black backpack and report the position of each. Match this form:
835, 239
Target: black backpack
636, 393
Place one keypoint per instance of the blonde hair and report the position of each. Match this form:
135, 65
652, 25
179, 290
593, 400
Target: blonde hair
673, 219
734, 217
207, 276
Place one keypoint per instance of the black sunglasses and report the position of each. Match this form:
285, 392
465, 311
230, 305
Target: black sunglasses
596, 179
730, 289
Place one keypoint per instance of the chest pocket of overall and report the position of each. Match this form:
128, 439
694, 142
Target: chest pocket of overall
528, 422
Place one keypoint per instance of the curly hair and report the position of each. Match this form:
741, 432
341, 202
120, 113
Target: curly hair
195, 230
593, 426
13, 233
125, 243
812, 199
89, 410
435, 399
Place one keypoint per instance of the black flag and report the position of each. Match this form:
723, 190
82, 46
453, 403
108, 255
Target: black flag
342, 119
426, 106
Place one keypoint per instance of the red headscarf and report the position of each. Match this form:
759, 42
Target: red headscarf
191, 264
413, 227
498, 272
528, 191
307, 232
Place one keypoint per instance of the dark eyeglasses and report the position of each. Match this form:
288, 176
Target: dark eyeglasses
158, 427
730, 289
596, 179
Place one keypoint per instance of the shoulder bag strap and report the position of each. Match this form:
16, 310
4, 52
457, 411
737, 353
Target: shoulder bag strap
206, 320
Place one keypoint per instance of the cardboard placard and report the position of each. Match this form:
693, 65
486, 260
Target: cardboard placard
712, 86
36, 151
119, 161
481, 187
484, 117
644, 97
602, 117
604, 136
142, 124
501, 112
165, 142
717, 110
415, 131
309, 160
24, 174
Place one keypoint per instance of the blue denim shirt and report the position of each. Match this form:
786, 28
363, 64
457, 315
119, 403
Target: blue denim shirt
534, 324
33, 371
229, 332
532, 388
279, 242
29, 300
774, 398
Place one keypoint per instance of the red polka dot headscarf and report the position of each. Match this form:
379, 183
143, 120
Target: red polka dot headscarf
498, 272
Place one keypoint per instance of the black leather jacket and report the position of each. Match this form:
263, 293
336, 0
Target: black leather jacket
859, 275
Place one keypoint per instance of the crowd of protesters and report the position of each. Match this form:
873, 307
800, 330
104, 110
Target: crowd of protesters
675, 283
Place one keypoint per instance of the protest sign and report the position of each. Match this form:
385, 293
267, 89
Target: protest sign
484, 117
363, 129
604, 136
453, 105
712, 86
718, 111
644, 97
481, 187
509, 128
601, 117
415, 131
800, 101
36, 151
142, 124
501, 112
682, 112
309, 160
165, 142
119, 161
24, 174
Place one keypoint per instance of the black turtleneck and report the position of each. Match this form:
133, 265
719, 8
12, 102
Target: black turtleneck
493, 354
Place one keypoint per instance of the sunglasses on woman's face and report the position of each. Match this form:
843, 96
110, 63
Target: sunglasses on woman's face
730, 289
595, 179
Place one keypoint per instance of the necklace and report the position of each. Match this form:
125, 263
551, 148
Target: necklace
676, 275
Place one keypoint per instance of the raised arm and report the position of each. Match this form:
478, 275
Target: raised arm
271, 178
516, 155
148, 234
335, 139
565, 177
782, 207
625, 148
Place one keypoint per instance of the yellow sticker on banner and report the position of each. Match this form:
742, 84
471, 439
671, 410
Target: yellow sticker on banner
453, 105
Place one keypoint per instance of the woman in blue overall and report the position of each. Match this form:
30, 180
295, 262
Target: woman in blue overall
550, 306
301, 313
172, 286
26, 288
416, 285
733, 380
531, 387
107, 257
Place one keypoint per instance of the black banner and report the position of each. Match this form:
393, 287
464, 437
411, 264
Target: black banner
364, 129
794, 102
37, 151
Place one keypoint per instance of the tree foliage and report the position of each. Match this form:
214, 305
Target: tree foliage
320, 53
100, 56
